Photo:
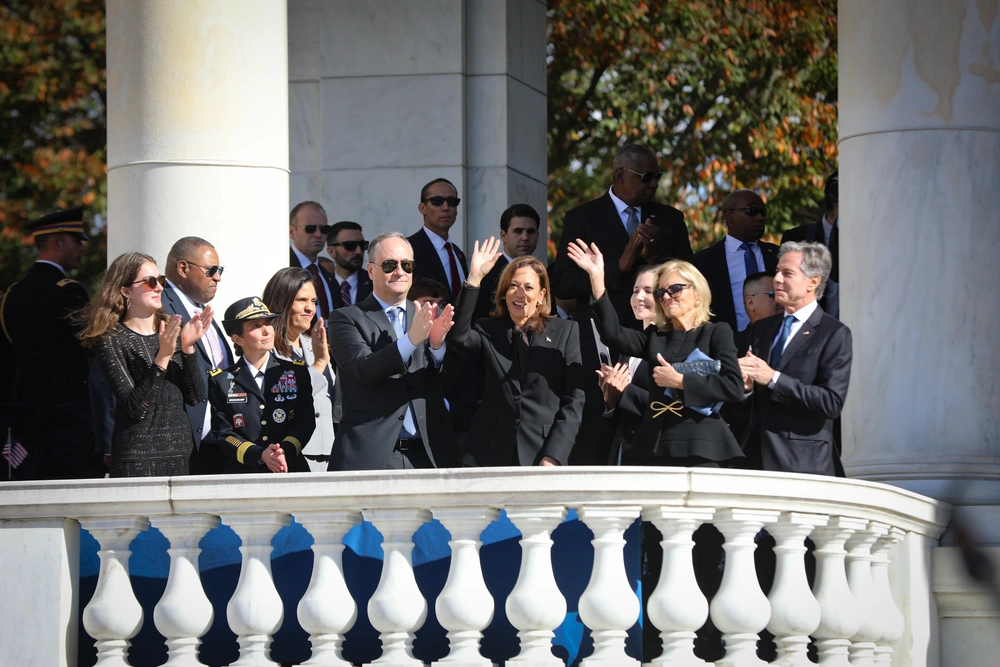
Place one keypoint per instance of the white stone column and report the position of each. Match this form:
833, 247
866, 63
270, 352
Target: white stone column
840, 617
198, 132
113, 616
327, 610
919, 175
184, 613
859, 577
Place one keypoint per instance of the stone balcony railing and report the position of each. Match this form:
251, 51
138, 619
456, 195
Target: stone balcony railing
870, 602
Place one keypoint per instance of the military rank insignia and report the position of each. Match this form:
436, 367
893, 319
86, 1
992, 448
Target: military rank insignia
278, 416
238, 421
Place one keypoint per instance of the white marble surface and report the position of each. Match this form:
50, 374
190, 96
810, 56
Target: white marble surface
493, 189
386, 37
305, 22
487, 120
969, 611
527, 149
526, 42
304, 136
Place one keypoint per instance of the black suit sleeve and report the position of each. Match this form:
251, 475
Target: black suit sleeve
562, 436
628, 341
727, 386
569, 281
827, 393
680, 244
355, 357
462, 335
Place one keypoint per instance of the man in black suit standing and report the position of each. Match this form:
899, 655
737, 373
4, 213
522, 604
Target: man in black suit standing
827, 232
612, 221
388, 351
518, 236
437, 257
308, 228
346, 244
728, 263
800, 366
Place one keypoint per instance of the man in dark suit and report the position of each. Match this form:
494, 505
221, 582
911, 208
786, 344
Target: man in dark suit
741, 253
436, 257
518, 236
308, 229
613, 222
827, 232
388, 352
800, 364
346, 244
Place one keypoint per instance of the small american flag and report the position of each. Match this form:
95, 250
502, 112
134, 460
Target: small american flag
14, 452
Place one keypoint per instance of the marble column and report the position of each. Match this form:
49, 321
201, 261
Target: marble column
919, 175
198, 132
386, 95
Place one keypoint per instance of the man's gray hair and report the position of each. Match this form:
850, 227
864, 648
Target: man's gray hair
374, 244
629, 156
184, 248
816, 261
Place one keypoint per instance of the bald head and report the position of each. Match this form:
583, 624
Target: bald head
743, 212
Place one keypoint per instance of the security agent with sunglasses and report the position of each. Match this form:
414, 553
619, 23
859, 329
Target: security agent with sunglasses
826, 231
308, 230
436, 256
741, 253
389, 353
346, 244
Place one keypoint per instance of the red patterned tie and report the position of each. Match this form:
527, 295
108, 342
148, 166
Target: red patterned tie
345, 293
324, 306
456, 285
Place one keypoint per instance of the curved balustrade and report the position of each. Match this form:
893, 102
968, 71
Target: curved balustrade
849, 612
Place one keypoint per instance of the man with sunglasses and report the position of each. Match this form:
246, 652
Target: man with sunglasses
308, 229
741, 253
388, 352
346, 245
827, 232
436, 256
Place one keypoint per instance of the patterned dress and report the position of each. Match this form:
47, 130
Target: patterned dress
152, 434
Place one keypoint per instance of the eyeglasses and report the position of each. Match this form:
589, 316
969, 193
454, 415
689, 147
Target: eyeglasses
770, 294
439, 201
351, 246
752, 211
209, 270
151, 281
647, 176
661, 293
311, 229
389, 265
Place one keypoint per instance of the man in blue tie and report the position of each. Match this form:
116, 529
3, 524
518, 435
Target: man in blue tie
799, 368
390, 353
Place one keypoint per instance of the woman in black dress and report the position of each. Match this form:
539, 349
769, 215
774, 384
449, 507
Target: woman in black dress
675, 428
149, 361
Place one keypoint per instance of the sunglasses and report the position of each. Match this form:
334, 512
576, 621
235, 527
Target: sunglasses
151, 282
439, 201
389, 265
672, 291
752, 211
311, 229
647, 176
770, 294
209, 270
351, 246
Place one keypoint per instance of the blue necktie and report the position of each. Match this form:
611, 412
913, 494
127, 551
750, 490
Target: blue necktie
779, 344
632, 222
749, 259
397, 316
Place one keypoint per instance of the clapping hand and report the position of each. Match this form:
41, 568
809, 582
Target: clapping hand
754, 368
665, 376
195, 328
274, 458
483, 260
440, 326
168, 333
423, 318
613, 381
590, 259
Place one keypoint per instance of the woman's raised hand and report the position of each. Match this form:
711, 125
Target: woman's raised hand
321, 349
483, 260
168, 333
590, 259
196, 327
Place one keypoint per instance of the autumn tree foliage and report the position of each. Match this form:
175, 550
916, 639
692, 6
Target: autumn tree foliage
52, 122
729, 93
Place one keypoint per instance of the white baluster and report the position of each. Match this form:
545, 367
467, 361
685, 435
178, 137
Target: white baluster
327, 610
397, 609
859, 578
609, 606
840, 618
535, 606
465, 607
184, 613
892, 619
740, 609
255, 611
113, 615
677, 608
795, 613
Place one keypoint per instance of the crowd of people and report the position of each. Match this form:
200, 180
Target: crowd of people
400, 352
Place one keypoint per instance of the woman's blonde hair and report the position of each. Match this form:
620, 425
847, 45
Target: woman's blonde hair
692, 276
544, 311
101, 315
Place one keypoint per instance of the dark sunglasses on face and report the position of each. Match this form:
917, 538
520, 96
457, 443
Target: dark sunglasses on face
209, 270
311, 229
151, 281
351, 246
647, 176
752, 211
439, 201
389, 265
672, 291
770, 294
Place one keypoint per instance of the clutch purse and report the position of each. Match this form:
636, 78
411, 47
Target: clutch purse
701, 367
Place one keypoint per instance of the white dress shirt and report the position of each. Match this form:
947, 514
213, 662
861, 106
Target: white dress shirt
442, 253
738, 274
258, 373
827, 230
403, 343
801, 316
352, 282
304, 261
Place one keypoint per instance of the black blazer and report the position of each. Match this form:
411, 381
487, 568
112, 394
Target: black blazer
377, 386
528, 414
246, 420
713, 265
331, 282
680, 433
627, 417
598, 222
428, 263
794, 421
484, 304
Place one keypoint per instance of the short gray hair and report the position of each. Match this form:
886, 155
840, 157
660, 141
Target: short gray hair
816, 261
374, 244
629, 156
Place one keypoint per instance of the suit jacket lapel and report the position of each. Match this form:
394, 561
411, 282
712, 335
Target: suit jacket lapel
725, 288
503, 348
801, 337
542, 346
373, 311
244, 378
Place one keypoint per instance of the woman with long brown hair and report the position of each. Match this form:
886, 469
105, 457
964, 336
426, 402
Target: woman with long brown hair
533, 403
149, 361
